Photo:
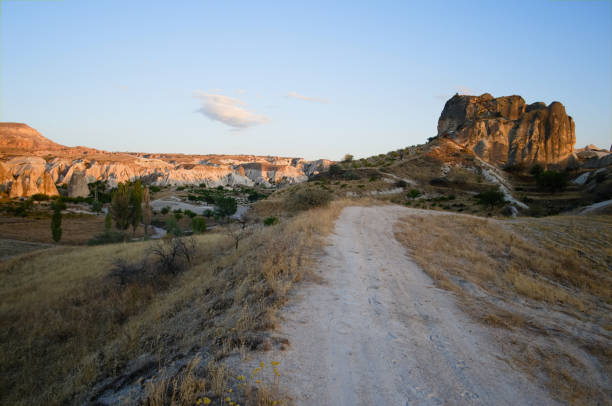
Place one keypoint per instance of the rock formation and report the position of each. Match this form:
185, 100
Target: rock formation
506, 131
30, 164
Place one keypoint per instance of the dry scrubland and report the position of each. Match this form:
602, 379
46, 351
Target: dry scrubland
546, 282
71, 329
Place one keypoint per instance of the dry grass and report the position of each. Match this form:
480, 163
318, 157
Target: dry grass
536, 278
66, 329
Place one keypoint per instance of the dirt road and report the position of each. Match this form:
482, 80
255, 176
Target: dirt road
377, 332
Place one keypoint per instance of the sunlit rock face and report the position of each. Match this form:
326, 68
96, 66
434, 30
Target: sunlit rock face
506, 131
31, 164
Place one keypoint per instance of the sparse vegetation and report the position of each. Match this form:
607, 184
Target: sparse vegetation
538, 261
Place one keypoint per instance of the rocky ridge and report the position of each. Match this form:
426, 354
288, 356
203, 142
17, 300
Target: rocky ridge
31, 164
505, 131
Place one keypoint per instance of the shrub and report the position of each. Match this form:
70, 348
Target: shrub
203, 185
96, 206
347, 158
413, 194
552, 181
226, 206
492, 198
307, 199
208, 213
40, 197
198, 225
270, 221
173, 254
165, 210
189, 213
536, 170
109, 237
401, 183
178, 215
335, 169
172, 227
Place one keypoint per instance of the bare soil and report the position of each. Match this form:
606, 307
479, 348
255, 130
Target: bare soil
377, 331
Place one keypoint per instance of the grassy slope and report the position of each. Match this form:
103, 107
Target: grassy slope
546, 282
66, 326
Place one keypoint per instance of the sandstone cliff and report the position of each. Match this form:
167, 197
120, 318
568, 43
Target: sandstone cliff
506, 131
30, 164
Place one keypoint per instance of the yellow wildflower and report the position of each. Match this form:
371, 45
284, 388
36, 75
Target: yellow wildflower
230, 390
199, 402
275, 363
207, 401
276, 372
241, 377
262, 364
258, 381
227, 399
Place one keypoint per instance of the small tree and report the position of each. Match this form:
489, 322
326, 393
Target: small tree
347, 158
198, 225
136, 196
56, 221
108, 222
493, 197
226, 206
552, 181
536, 170
120, 206
146, 212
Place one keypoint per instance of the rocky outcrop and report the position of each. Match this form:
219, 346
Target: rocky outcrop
505, 131
35, 164
78, 185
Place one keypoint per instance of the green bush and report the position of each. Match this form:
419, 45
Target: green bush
307, 199
492, 198
198, 225
189, 213
270, 221
165, 210
226, 206
208, 213
178, 215
413, 194
172, 227
40, 197
109, 237
552, 181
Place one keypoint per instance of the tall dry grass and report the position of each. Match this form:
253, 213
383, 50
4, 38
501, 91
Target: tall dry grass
65, 329
505, 273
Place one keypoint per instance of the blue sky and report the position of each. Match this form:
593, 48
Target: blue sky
311, 79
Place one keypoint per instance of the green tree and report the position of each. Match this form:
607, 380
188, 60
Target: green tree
146, 212
120, 206
198, 225
493, 197
56, 221
226, 206
552, 181
135, 210
108, 222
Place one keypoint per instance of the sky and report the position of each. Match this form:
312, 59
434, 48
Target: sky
312, 79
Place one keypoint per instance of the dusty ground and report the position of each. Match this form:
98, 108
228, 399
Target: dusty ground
377, 331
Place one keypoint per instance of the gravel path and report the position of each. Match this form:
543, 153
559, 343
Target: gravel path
377, 332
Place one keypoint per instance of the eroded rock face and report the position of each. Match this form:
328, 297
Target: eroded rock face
24, 171
506, 131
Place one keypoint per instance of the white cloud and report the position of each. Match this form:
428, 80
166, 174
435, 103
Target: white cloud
228, 111
295, 95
